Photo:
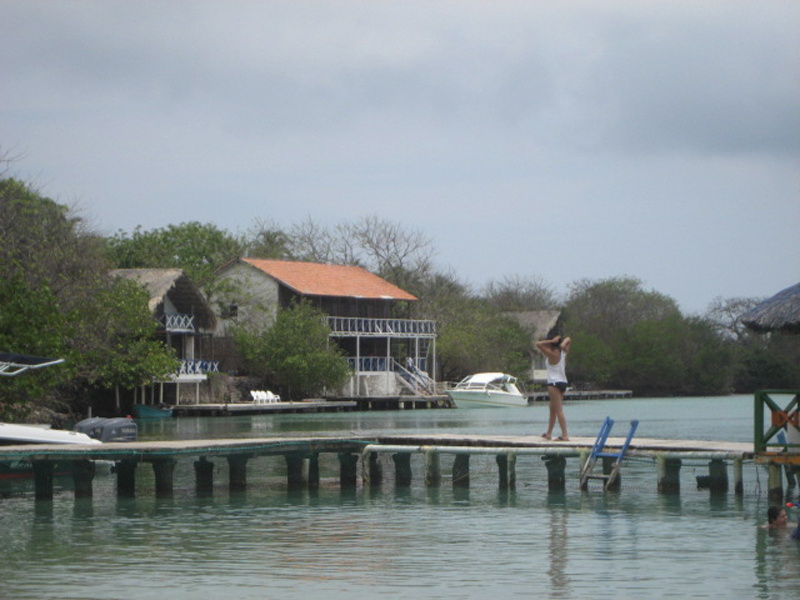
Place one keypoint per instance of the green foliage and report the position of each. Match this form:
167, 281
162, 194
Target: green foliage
293, 354
197, 248
58, 301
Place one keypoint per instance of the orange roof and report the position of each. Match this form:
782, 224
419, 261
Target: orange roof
316, 279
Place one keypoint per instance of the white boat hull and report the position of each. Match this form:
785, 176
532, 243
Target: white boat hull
475, 398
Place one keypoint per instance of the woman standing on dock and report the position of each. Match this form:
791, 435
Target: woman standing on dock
556, 349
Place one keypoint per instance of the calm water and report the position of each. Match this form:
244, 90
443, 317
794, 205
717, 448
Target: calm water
417, 542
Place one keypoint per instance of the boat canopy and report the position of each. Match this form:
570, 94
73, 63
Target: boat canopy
12, 364
489, 378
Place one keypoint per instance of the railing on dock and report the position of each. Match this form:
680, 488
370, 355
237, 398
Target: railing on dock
198, 367
783, 432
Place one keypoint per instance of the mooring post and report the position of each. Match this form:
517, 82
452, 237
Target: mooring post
43, 479
717, 476
775, 483
296, 471
507, 467
738, 484
373, 464
433, 471
313, 471
237, 472
348, 470
126, 478
164, 469
402, 469
82, 474
556, 480
204, 476
669, 471
461, 471
608, 467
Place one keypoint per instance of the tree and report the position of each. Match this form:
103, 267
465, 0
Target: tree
293, 354
519, 294
58, 301
197, 248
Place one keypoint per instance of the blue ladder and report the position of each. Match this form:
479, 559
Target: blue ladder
598, 451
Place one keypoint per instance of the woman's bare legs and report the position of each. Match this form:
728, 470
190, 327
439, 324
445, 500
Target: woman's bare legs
556, 413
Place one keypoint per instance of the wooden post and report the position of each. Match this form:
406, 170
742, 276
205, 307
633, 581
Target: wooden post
313, 471
82, 474
718, 476
738, 485
402, 469
375, 470
556, 480
237, 472
669, 470
608, 467
204, 476
126, 478
296, 471
775, 490
164, 470
43, 479
502, 467
461, 471
433, 473
348, 470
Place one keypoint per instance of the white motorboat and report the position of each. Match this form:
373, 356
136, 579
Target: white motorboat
487, 389
12, 434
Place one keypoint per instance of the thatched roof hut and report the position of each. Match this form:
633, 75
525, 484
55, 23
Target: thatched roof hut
781, 312
173, 287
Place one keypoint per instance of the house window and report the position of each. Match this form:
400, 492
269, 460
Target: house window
231, 312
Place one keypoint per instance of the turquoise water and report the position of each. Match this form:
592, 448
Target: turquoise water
270, 542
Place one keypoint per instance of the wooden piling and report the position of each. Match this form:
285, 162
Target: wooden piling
348, 470
433, 471
82, 475
237, 472
461, 471
126, 478
164, 470
775, 483
556, 480
718, 476
506, 464
204, 476
313, 471
43, 479
296, 471
402, 469
669, 471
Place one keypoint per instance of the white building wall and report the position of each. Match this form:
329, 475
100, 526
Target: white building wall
254, 293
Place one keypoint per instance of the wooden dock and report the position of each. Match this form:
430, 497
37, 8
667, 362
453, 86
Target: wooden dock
338, 404
302, 459
583, 395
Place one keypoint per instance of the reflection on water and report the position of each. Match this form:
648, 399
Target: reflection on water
404, 542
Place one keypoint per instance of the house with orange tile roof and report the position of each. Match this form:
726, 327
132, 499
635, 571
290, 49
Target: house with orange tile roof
368, 317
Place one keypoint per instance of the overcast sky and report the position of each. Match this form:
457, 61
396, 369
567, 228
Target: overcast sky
552, 140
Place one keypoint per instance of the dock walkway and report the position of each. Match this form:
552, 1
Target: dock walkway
302, 459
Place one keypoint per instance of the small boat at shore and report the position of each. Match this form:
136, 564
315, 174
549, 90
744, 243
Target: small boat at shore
487, 389
148, 411
17, 435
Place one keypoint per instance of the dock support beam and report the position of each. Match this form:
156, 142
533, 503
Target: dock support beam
461, 471
296, 471
126, 478
556, 480
738, 485
348, 470
507, 464
775, 491
402, 469
237, 472
718, 476
669, 475
433, 470
204, 476
82, 475
164, 470
43, 479
313, 471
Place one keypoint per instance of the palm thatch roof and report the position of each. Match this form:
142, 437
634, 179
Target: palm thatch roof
172, 284
538, 323
781, 312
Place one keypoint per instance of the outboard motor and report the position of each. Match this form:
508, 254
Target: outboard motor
116, 429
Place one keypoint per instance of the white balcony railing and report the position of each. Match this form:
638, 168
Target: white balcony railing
198, 367
353, 326
178, 322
